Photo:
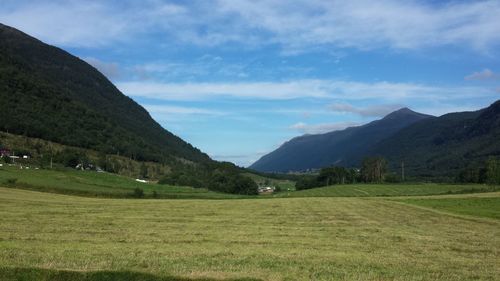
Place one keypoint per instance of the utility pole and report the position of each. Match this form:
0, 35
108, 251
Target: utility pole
51, 154
403, 170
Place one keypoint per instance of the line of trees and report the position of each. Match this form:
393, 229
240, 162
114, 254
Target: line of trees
373, 170
220, 177
489, 173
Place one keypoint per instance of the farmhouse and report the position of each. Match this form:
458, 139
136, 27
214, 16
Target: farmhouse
266, 189
5, 152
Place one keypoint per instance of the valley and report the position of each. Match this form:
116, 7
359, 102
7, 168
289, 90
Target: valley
249, 141
47, 236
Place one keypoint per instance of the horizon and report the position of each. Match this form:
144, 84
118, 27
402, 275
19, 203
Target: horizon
233, 78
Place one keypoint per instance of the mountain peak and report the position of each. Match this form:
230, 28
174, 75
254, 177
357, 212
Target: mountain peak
404, 112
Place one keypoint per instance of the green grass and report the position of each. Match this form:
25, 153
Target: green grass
371, 190
483, 207
282, 184
44, 236
93, 184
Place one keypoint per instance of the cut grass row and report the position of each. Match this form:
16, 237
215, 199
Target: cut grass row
44, 235
373, 190
488, 207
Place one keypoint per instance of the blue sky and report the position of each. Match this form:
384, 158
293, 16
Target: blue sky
237, 78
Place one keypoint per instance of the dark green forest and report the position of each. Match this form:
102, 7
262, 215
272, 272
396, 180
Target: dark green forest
47, 93
440, 148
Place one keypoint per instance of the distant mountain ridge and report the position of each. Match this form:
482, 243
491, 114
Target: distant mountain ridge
430, 147
47, 93
443, 146
344, 148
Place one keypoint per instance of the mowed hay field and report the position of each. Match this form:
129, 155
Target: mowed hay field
47, 236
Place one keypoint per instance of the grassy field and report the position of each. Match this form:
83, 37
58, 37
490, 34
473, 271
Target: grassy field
371, 190
488, 207
46, 236
92, 184
281, 184
95, 184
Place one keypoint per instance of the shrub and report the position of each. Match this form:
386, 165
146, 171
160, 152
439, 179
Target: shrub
307, 182
138, 193
11, 181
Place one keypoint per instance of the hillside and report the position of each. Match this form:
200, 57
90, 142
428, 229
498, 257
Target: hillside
47, 93
443, 146
345, 147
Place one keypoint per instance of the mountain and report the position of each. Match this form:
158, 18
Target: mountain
443, 146
47, 93
345, 148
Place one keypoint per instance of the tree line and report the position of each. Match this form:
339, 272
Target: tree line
218, 176
487, 172
373, 170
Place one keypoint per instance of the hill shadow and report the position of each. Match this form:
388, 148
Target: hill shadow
39, 274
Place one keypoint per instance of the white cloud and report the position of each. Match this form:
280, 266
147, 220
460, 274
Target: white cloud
369, 111
485, 74
299, 25
167, 109
326, 89
322, 128
110, 69
367, 24
205, 65
200, 91
70, 23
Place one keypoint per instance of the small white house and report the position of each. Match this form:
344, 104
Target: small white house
266, 189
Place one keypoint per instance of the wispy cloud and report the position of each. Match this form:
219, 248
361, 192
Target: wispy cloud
321, 128
68, 23
483, 75
167, 109
111, 70
300, 25
202, 66
200, 91
342, 90
369, 111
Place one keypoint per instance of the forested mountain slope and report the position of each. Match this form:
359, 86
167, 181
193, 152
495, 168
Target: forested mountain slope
443, 146
47, 93
344, 148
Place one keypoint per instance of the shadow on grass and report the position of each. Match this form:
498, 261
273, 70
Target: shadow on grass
38, 274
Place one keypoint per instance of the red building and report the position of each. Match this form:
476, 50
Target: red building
5, 152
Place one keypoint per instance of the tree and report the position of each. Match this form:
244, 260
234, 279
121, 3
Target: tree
337, 175
307, 182
493, 171
144, 171
373, 169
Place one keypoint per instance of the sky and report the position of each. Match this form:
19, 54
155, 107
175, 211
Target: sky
238, 78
